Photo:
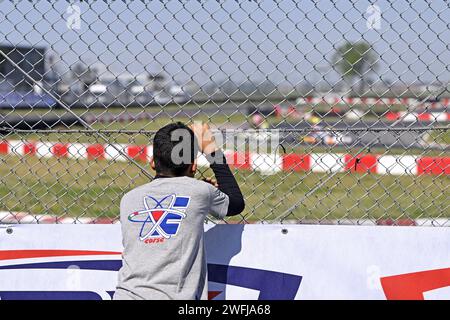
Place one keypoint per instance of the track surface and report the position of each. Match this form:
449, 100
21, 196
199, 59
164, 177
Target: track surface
397, 139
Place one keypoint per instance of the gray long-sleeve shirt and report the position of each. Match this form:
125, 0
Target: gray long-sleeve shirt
162, 228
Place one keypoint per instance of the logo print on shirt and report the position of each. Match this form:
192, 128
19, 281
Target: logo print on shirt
161, 218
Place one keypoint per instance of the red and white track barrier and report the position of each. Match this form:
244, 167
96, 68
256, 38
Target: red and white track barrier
416, 116
264, 163
76, 150
370, 101
11, 217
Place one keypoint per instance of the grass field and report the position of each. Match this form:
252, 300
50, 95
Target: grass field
441, 136
93, 189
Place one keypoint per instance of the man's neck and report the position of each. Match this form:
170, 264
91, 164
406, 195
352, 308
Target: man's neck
160, 175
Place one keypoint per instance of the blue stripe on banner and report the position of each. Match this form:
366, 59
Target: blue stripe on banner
271, 285
49, 295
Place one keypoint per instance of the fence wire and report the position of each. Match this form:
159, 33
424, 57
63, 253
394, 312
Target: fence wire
328, 112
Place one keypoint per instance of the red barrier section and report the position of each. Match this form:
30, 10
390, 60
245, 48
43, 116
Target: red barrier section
424, 117
361, 163
433, 165
4, 147
296, 162
138, 153
396, 222
60, 150
392, 116
29, 148
95, 151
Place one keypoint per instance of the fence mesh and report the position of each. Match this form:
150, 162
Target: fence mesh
329, 112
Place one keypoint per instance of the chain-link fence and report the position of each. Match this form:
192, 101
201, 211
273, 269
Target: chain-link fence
329, 112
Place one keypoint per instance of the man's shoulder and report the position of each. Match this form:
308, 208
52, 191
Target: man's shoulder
136, 191
187, 183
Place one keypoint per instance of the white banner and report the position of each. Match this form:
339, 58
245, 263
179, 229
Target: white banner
244, 262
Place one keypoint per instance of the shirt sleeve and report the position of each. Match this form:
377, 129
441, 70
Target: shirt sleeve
219, 202
227, 182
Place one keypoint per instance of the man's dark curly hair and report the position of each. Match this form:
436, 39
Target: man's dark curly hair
175, 148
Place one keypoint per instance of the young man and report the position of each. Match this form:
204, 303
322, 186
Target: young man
162, 221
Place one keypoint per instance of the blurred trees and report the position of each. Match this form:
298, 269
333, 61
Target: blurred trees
355, 61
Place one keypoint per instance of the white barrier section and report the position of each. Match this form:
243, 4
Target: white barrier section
244, 262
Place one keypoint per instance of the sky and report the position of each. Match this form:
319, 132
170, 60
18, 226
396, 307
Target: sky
282, 41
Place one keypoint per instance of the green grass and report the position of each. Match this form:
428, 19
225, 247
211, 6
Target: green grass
440, 136
93, 189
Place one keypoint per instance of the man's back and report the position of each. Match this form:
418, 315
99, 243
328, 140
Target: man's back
162, 227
